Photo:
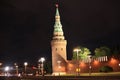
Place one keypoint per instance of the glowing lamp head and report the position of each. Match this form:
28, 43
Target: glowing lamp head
42, 59
7, 68
25, 63
76, 50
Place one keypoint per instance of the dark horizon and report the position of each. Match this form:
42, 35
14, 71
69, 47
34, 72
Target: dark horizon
26, 27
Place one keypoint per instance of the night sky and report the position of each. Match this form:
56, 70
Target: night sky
26, 26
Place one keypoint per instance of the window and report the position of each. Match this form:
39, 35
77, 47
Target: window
56, 49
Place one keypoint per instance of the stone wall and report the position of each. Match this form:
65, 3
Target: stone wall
93, 64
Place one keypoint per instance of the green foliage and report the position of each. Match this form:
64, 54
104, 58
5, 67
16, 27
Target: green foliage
102, 51
106, 69
82, 54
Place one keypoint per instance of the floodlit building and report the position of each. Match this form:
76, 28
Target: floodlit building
58, 45
60, 64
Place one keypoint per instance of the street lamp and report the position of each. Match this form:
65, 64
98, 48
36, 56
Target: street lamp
38, 68
7, 68
77, 51
89, 64
42, 59
16, 66
25, 64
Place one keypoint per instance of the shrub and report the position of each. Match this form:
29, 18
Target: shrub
106, 69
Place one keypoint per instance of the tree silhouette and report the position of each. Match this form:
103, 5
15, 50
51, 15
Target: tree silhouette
102, 51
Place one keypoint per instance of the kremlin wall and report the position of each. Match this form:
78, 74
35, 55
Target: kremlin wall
93, 64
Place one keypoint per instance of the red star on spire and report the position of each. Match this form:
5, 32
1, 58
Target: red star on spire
57, 5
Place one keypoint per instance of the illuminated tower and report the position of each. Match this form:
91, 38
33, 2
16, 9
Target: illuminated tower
58, 46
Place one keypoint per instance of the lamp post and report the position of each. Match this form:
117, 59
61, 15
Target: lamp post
25, 64
42, 59
38, 68
77, 51
16, 66
16, 70
7, 68
89, 64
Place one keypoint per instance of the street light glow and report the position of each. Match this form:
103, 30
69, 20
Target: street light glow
76, 50
42, 59
25, 63
7, 68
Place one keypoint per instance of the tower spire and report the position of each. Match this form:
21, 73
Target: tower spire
57, 11
58, 32
58, 46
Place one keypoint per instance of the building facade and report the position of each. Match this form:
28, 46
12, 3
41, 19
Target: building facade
60, 64
58, 46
